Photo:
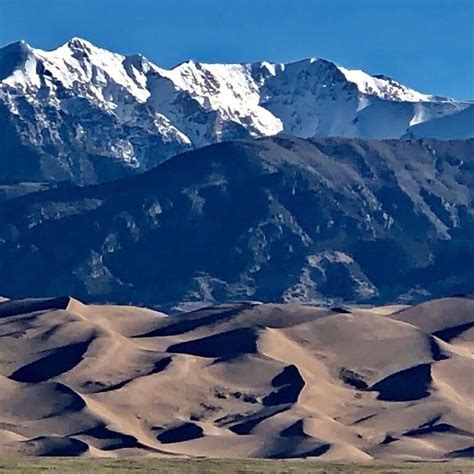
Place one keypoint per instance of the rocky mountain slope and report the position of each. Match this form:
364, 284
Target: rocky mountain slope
274, 219
238, 381
83, 114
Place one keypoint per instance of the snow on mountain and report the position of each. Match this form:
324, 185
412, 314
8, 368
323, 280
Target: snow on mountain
456, 125
385, 87
85, 114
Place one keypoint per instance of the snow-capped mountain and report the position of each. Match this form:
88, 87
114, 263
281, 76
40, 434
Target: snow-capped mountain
85, 114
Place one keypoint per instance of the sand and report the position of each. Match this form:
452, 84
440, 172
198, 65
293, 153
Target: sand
238, 380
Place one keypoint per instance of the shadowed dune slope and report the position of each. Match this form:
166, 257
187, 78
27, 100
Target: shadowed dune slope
237, 380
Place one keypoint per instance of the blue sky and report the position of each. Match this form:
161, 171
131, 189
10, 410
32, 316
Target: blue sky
426, 44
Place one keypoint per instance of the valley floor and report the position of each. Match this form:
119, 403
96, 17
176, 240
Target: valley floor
184, 466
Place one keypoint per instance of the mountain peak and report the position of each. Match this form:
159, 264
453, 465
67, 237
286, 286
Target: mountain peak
309, 61
13, 57
383, 86
80, 43
21, 45
19, 49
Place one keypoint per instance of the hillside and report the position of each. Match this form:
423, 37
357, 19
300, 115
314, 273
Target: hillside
276, 219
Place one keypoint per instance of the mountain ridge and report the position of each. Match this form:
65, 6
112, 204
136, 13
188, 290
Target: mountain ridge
84, 114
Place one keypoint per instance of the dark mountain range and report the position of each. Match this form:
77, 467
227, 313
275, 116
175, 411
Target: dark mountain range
274, 219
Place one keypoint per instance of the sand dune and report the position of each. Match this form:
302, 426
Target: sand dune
238, 380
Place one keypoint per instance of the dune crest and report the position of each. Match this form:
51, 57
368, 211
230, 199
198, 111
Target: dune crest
237, 380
